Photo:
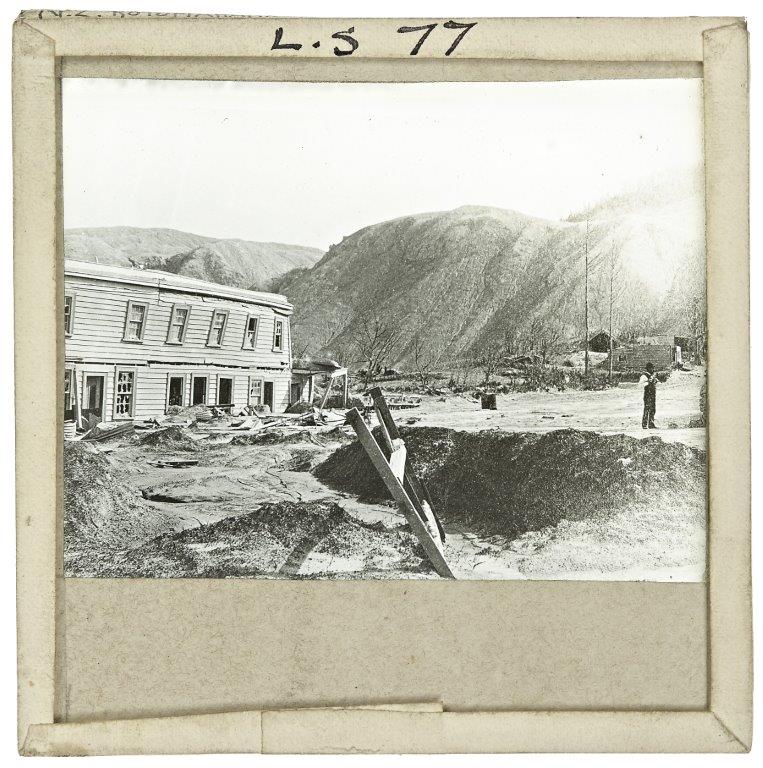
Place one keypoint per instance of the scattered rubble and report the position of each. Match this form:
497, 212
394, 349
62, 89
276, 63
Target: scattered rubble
108, 430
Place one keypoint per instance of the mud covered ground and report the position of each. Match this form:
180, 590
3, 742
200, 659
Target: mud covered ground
540, 502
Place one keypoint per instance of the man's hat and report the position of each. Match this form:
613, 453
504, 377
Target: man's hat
649, 367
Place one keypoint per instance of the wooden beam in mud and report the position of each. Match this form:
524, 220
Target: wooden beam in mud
399, 494
414, 487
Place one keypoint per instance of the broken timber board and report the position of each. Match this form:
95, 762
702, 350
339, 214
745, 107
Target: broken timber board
399, 494
413, 486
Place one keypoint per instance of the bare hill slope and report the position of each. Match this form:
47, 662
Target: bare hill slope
240, 263
460, 278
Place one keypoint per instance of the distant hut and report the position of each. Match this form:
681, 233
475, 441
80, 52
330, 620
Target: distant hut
598, 341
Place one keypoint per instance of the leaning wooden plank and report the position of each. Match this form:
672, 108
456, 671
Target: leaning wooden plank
382, 410
399, 494
397, 461
414, 487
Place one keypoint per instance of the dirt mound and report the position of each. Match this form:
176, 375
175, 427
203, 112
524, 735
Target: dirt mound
495, 482
100, 514
288, 436
301, 461
172, 438
300, 407
283, 540
273, 437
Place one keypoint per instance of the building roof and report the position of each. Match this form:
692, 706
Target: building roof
167, 281
314, 365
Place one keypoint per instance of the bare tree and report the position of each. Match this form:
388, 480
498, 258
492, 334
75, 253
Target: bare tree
548, 335
300, 350
613, 266
335, 342
423, 360
490, 357
461, 372
375, 339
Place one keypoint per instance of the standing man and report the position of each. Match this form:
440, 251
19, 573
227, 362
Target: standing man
648, 382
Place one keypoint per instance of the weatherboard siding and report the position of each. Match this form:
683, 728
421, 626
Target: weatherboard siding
98, 326
96, 346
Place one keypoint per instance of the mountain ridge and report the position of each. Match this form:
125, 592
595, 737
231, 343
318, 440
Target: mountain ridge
463, 278
230, 261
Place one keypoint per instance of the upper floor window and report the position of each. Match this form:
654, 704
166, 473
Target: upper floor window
178, 324
250, 332
135, 324
68, 315
217, 328
278, 335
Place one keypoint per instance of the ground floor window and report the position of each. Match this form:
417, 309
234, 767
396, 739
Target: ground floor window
199, 390
225, 390
68, 393
124, 398
255, 391
175, 390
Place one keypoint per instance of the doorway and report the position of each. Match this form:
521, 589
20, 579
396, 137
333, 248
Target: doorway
93, 405
267, 395
199, 393
225, 391
175, 390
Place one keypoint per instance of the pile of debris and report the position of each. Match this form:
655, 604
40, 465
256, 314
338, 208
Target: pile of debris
201, 421
280, 540
171, 438
100, 514
499, 483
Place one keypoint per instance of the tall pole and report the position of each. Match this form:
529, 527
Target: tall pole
585, 368
611, 303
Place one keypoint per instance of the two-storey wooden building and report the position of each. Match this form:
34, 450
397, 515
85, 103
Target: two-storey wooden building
140, 341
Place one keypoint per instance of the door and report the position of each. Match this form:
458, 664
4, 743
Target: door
267, 397
92, 399
175, 393
225, 392
199, 390
296, 393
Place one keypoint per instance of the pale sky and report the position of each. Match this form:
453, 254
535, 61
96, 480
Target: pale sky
308, 163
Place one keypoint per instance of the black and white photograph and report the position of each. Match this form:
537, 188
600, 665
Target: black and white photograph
447, 330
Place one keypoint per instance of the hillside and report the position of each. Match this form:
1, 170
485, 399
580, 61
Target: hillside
240, 263
461, 279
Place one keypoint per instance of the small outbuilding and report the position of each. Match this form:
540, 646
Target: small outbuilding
306, 371
598, 341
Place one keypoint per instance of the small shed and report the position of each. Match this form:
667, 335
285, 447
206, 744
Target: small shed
598, 341
306, 371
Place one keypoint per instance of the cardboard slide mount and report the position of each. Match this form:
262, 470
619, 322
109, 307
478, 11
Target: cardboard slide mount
681, 652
